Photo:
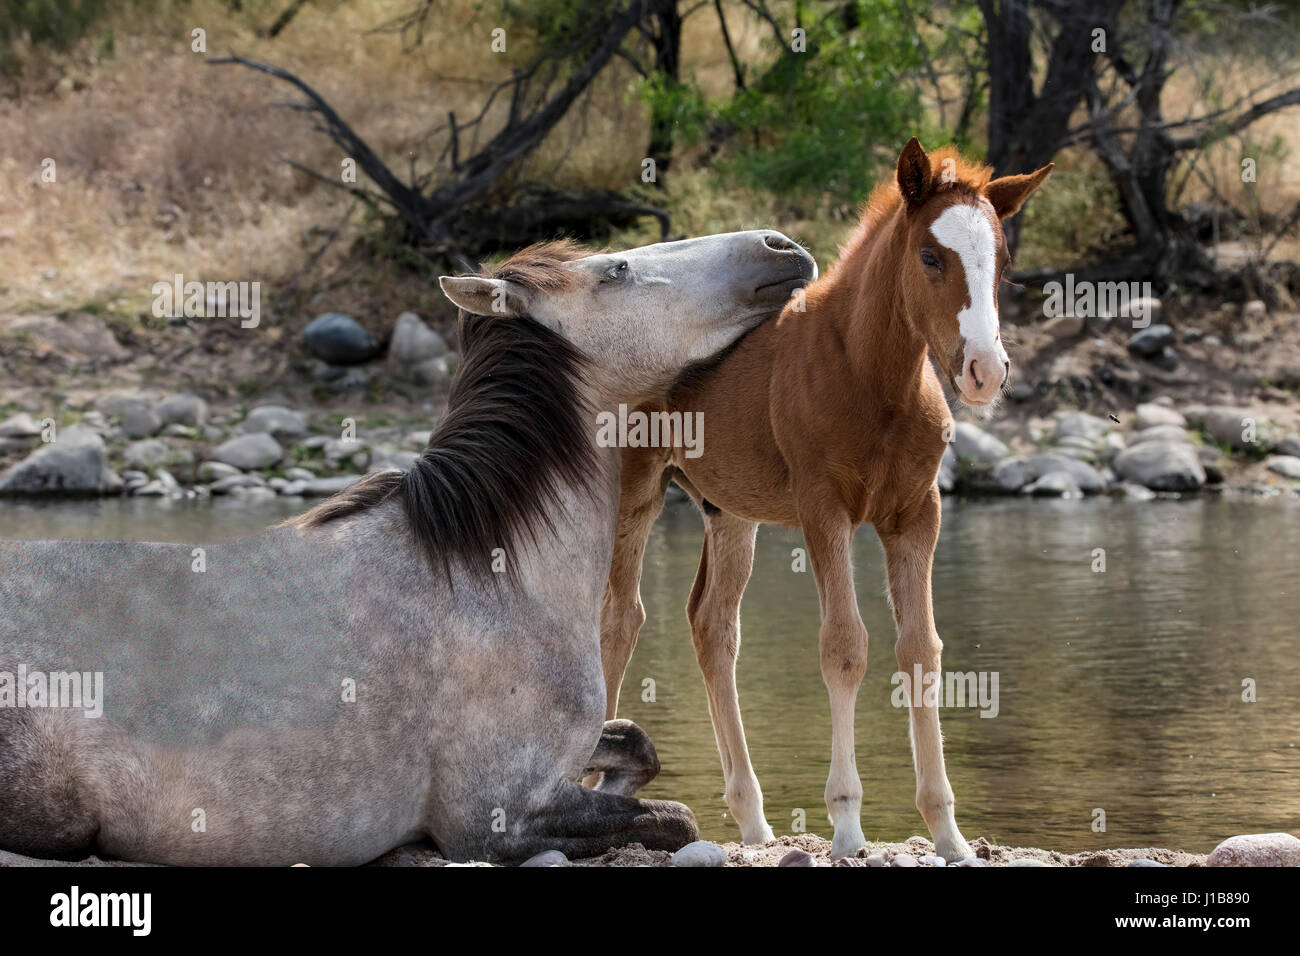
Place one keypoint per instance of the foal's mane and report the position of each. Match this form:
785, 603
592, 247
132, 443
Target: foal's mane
514, 435
949, 172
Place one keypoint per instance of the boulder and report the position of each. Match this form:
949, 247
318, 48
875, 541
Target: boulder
972, 443
183, 409
1288, 466
1230, 425
145, 455
1256, 849
1162, 466
1151, 341
140, 421
1150, 415
20, 425
1173, 433
412, 343
249, 452
339, 339
1054, 484
1080, 425
276, 420
74, 462
1015, 473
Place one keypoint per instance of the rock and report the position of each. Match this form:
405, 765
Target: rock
1161, 465
1054, 484
1230, 425
292, 489
386, 457
248, 452
1166, 359
1256, 849
77, 338
324, 487
140, 421
797, 857
1015, 473
412, 344
1167, 433
1111, 445
74, 462
1134, 491
1026, 861
1192, 336
233, 483
336, 449
902, 859
184, 409
299, 474
145, 455
339, 339
1288, 466
1143, 861
277, 421
700, 853
971, 861
20, 425
930, 859
947, 477
1080, 425
971, 443
878, 858
434, 371
1151, 341
216, 470
417, 441
1213, 462
1065, 326
547, 858
1254, 311
1150, 415
1021, 392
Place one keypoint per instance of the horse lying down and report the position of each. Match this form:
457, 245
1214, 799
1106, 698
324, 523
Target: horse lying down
417, 657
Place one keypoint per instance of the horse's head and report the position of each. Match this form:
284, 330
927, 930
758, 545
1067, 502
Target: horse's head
956, 256
643, 315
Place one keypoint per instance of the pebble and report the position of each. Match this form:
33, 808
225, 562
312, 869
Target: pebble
700, 853
931, 859
797, 857
902, 859
878, 858
971, 861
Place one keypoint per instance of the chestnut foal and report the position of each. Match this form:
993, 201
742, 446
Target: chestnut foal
827, 419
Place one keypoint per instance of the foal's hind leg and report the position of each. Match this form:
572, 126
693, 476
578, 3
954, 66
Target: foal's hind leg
714, 612
909, 554
625, 758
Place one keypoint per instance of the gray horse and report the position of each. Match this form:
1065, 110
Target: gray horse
417, 657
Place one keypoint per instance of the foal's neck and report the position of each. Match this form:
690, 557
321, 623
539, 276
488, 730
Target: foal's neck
867, 302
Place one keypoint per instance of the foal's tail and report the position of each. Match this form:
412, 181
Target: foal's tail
44, 811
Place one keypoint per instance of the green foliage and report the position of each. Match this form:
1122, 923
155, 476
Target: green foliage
823, 122
57, 24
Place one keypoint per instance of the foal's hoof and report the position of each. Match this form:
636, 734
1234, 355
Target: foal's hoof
847, 842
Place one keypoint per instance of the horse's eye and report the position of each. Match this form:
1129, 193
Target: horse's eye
617, 271
929, 259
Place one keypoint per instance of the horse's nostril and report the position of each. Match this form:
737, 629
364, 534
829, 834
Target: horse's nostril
778, 242
975, 375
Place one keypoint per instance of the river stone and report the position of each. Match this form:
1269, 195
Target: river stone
1054, 484
385, 457
1254, 311
972, 443
140, 421
1026, 861
1290, 445
1151, 341
336, 449
1212, 460
233, 483
1168, 433
1166, 359
1081, 425
247, 452
20, 425
1112, 443
1015, 473
215, 470
183, 409
947, 477
1143, 861
902, 859
1227, 424
700, 853
931, 859
797, 857
547, 858
1134, 491
73, 462
1162, 466
971, 861
277, 421
1256, 849
878, 858
299, 474
145, 455
1150, 415
412, 343
324, 487
339, 339
1288, 466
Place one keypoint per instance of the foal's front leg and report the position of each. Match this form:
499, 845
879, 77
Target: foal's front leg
909, 555
843, 642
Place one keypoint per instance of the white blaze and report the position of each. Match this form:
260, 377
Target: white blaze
968, 231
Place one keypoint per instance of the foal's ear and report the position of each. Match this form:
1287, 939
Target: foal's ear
1009, 193
480, 296
913, 173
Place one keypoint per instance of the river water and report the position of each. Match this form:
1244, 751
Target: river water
1118, 690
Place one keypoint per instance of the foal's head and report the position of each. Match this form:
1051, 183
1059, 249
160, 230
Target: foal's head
643, 315
955, 257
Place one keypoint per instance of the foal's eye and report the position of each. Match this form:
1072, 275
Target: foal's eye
929, 259
617, 271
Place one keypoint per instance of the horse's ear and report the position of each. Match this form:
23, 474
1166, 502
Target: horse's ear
1009, 193
913, 173
480, 296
